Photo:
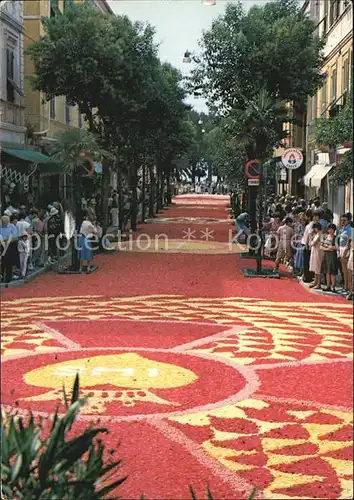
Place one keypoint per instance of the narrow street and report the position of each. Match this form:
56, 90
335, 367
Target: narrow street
204, 377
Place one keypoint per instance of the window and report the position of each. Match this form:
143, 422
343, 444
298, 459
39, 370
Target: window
334, 11
345, 75
10, 69
350, 57
334, 84
67, 112
79, 119
324, 98
52, 108
325, 19
314, 107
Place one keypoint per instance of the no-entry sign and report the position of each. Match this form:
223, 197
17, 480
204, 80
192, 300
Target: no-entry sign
253, 169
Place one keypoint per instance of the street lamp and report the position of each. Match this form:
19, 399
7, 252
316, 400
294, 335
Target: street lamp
187, 57
209, 3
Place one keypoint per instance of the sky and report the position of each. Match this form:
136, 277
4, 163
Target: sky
179, 25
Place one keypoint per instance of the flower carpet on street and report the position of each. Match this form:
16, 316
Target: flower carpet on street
203, 376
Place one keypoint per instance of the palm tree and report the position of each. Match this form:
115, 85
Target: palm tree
75, 146
259, 128
260, 124
77, 150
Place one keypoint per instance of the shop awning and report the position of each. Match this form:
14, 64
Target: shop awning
342, 151
316, 174
28, 155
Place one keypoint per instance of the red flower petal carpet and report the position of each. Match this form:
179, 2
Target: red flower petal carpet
203, 376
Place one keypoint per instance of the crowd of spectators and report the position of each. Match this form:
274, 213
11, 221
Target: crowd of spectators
33, 238
303, 236
28, 239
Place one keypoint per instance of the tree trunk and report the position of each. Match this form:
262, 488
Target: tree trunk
162, 190
143, 198
194, 171
106, 180
152, 191
168, 185
158, 191
120, 196
133, 185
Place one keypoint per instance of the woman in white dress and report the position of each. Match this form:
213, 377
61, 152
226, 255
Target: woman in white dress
316, 257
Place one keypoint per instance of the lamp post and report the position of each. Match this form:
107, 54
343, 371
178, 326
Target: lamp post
187, 57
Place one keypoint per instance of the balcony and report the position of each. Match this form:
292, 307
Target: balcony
11, 113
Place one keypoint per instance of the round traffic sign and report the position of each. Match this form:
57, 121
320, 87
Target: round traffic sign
292, 158
253, 169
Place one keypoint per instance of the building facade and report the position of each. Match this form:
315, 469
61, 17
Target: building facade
335, 24
45, 120
12, 122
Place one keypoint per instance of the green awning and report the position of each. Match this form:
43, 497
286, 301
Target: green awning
45, 164
28, 155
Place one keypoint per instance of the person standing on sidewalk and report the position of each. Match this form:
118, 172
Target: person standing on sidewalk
307, 276
55, 227
316, 257
88, 231
8, 237
24, 249
350, 263
285, 234
330, 258
345, 234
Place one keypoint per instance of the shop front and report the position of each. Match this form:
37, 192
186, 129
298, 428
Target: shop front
22, 176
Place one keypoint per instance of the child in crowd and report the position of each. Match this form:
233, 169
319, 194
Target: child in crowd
23, 247
330, 258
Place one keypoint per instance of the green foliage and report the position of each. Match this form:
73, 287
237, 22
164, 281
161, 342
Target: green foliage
258, 124
55, 466
109, 67
271, 47
71, 143
251, 64
226, 155
335, 131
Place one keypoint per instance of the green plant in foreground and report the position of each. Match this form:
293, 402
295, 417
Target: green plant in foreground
55, 467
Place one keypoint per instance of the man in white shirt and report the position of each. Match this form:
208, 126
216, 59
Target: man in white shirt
22, 225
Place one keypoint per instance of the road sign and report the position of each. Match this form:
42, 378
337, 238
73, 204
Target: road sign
292, 158
253, 182
253, 169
